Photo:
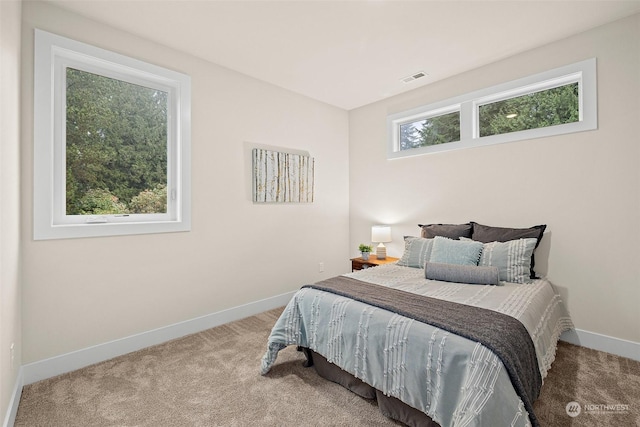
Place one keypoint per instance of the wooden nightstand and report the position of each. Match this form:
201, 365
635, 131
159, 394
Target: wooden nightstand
360, 264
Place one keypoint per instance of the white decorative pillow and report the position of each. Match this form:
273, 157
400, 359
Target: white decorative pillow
417, 251
513, 259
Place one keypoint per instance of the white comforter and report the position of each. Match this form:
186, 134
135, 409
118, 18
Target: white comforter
457, 382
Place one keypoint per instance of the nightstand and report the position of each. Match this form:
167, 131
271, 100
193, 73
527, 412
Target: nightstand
360, 264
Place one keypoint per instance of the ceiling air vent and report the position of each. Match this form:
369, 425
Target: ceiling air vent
413, 77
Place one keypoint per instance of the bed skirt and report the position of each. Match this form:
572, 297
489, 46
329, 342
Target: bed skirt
389, 406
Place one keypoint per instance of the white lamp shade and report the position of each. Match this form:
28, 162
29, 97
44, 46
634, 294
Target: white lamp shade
381, 233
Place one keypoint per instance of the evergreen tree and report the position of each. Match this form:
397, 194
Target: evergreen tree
535, 110
116, 136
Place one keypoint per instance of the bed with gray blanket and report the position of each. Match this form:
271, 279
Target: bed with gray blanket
456, 353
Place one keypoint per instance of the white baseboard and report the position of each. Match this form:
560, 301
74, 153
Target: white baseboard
64, 363
605, 343
12, 410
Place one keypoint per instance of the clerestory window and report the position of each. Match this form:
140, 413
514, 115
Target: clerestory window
560, 101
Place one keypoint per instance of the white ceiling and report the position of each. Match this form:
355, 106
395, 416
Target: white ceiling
351, 53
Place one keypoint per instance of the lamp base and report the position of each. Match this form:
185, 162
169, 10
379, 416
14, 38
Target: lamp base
381, 251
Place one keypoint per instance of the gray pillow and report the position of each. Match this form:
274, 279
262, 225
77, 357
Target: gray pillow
487, 234
452, 231
448, 251
416, 252
512, 258
471, 274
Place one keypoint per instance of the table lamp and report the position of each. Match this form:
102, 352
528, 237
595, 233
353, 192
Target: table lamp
381, 234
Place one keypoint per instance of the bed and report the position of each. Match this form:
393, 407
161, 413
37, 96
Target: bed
429, 337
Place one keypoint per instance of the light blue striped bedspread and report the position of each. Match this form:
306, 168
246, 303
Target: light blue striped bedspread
457, 382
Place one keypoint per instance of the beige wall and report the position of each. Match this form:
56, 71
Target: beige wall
10, 22
584, 186
81, 292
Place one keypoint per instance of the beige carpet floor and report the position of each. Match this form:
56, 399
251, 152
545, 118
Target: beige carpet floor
211, 379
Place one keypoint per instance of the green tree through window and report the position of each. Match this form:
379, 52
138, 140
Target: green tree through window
431, 131
545, 108
116, 146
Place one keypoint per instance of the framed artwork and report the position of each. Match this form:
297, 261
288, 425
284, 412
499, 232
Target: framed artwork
281, 177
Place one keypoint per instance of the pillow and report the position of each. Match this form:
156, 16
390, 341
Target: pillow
487, 234
416, 252
452, 231
471, 274
512, 258
450, 251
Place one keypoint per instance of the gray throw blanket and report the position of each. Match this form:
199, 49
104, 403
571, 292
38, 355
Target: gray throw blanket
502, 334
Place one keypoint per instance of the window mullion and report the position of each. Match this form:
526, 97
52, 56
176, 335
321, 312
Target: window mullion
468, 120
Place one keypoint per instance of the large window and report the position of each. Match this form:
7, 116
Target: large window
111, 143
556, 102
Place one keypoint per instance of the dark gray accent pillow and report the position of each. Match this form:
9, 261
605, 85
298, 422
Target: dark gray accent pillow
471, 274
452, 231
488, 234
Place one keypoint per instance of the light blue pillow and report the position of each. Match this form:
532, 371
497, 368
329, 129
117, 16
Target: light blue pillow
463, 252
417, 251
513, 259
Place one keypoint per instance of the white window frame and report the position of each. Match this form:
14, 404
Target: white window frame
584, 73
53, 54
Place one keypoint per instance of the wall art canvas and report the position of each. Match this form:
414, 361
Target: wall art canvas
280, 177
